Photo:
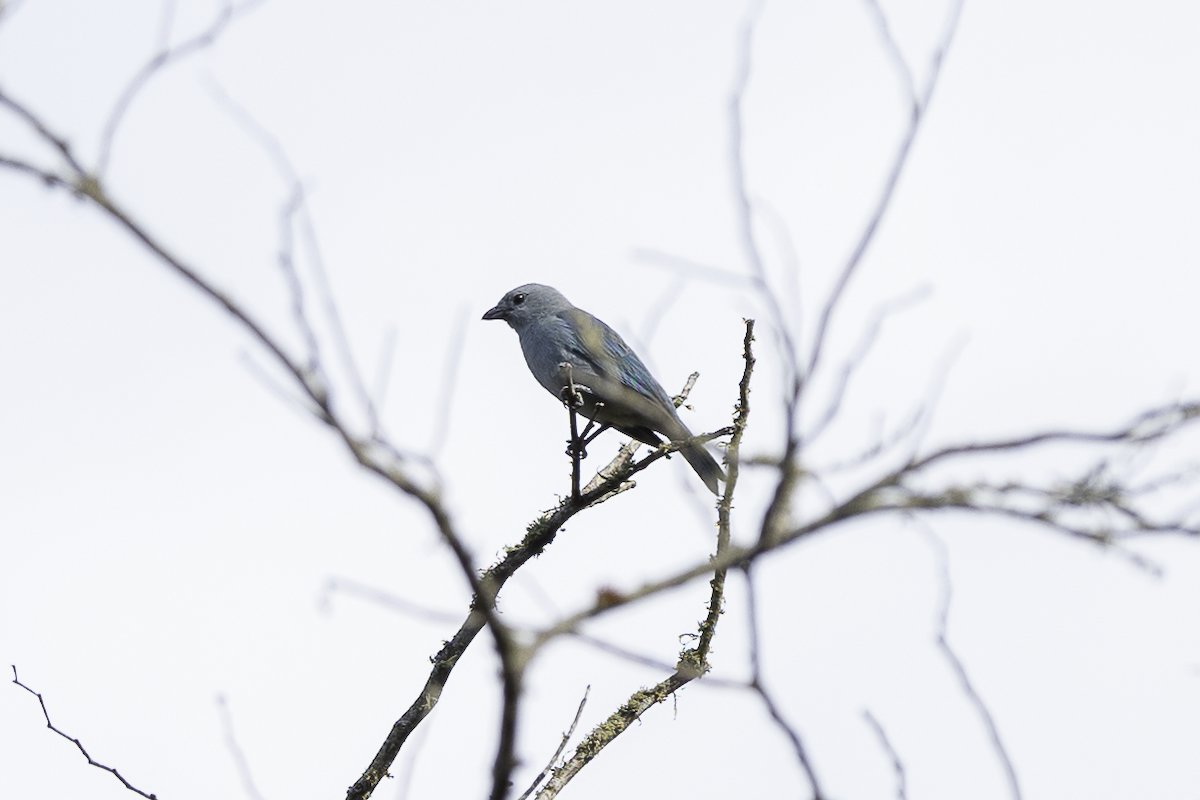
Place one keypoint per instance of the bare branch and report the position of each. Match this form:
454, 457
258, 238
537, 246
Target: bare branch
693, 270
892, 493
373, 594
693, 662
152, 67
893, 50
756, 684
885, 196
741, 419
375, 455
235, 750
653, 663
297, 209
561, 747
43, 132
378, 457
451, 364
76, 742
960, 671
745, 219
869, 337
383, 374
49, 178
539, 535
621, 652
897, 765
1148, 426
506, 761
616, 724
287, 265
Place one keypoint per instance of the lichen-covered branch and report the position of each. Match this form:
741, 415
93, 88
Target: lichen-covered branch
693, 662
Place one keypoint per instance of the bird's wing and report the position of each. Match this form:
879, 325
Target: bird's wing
606, 353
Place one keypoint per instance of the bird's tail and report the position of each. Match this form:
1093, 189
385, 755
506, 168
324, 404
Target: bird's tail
705, 465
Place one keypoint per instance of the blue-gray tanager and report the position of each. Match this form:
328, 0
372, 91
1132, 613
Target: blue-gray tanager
616, 387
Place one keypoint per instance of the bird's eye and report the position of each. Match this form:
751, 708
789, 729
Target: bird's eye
518, 299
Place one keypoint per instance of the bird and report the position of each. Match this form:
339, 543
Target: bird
566, 345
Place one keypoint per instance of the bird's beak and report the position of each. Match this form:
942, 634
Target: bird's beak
494, 313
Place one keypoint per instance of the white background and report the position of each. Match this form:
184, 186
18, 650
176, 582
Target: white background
169, 522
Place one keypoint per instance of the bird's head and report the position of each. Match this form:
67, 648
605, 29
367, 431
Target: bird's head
527, 303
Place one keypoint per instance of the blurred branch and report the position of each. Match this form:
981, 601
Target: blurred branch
914, 427
692, 270
745, 217
295, 214
960, 670
885, 743
235, 750
160, 60
371, 451
1060, 503
757, 685
76, 742
856, 359
893, 49
920, 103
451, 367
287, 265
347, 586
57, 143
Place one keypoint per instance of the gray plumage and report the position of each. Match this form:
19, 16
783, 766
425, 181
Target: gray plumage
603, 367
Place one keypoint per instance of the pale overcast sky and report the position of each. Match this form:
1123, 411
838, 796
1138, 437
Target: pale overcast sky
170, 522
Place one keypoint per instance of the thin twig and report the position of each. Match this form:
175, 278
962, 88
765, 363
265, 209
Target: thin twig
741, 419
283, 164
43, 132
335, 585
573, 400
287, 265
884, 200
960, 671
893, 50
235, 750
871, 335
745, 216
152, 67
451, 364
885, 743
541, 776
616, 724
692, 270
76, 742
383, 374
756, 684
